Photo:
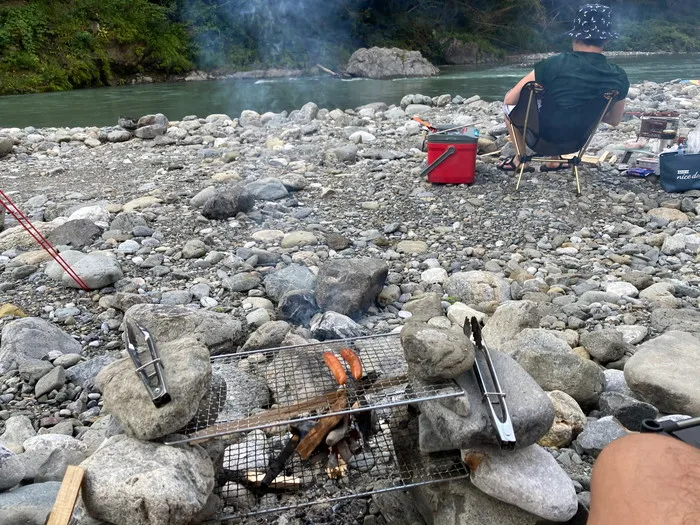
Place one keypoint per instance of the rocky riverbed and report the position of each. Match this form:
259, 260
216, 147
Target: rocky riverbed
229, 221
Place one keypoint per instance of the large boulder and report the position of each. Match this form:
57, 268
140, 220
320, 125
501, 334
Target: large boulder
188, 377
665, 371
555, 366
683, 320
33, 338
509, 320
529, 478
228, 203
461, 503
18, 237
350, 286
605, 345
28, 505
140, 483
151, 126
464, 422
96, 269
476, 287
292, 277
384, 63
220, 333
436, 353
569, 420
11, 469
77, 234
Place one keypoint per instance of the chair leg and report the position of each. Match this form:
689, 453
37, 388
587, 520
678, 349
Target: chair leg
520, 175
578, 183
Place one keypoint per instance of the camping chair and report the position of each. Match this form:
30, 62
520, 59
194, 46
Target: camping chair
529, 118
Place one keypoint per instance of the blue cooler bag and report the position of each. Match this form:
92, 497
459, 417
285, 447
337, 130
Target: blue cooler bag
679, 172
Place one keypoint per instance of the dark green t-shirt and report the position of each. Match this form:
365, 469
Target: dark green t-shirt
574, 81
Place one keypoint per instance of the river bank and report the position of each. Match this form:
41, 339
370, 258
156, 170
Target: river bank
201, 213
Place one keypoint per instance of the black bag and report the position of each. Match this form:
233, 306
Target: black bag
679, 172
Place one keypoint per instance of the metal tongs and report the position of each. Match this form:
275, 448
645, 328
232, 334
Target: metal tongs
490, 387
155, 380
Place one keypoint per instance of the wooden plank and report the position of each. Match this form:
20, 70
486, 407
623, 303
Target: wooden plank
321, 429
67, 496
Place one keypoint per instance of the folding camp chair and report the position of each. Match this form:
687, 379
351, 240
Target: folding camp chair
530, 116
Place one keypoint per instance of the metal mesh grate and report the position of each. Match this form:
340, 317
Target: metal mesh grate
389, 461
301, 387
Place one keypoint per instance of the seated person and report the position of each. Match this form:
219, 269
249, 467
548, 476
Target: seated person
573, 80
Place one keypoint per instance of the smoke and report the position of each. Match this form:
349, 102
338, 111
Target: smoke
277, 32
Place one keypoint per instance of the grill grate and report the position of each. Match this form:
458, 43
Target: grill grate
238, 412
390, 461
303, 387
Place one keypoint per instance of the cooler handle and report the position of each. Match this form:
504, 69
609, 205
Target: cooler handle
442, 158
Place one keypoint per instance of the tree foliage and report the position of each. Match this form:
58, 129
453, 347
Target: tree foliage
63, 44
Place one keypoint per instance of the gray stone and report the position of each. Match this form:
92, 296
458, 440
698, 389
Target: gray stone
51, 442
639, 280
176, 297
477, 287
435, 353
33, 338
347, 154
188, 366
228, 203
194, 249
253, 453
398, 508
464, 422
350, 286
121, 475
604, 345
385, 63
151, 126
461, 503
31, 370
634, 334
425, 307
127, 221
615, 382
203, 196
11, 469
569, 420
55, 464
665, 370
298, 307
28, 505
18, 429
627, 410
270, 189
292, 277
244, 392
599, 434
508, 321
332, 325
77, 234
221, 333
529, 478
54, 380
83, 374
683, 320
241, 282
552, 363
67, 360
96, 269
6, 145
269, 335
118, 135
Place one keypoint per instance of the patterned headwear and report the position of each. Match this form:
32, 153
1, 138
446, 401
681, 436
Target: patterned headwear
593, 21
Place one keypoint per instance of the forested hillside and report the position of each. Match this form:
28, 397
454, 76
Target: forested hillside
65, 44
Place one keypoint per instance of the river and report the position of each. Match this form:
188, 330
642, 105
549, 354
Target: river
103, 106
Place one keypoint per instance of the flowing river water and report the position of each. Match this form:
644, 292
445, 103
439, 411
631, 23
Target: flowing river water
103, 106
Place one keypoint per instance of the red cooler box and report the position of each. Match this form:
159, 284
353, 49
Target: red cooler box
452, 157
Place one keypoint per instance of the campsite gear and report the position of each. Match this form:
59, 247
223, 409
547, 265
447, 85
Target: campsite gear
664, 128
639, 172
530, 117
155, 380
687, 430
489, 385
649, 163
593, 21
679, 172
452, 155
24, 221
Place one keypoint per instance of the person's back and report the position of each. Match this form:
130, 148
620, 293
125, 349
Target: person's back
574, 82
